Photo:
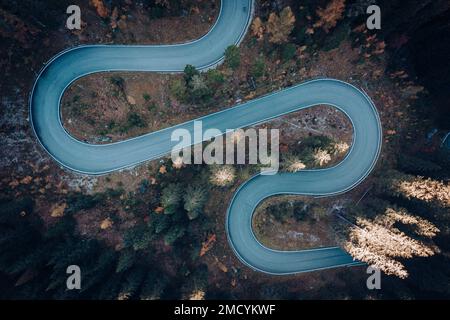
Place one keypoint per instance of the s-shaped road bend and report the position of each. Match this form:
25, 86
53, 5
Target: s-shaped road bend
206, 52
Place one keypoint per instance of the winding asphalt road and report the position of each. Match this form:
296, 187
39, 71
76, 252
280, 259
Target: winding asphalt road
204, 53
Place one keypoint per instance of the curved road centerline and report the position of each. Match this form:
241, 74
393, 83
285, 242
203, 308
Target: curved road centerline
206, 52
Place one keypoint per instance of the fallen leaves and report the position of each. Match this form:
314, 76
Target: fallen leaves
221, 266
159, 210
207, 245
16, 28
57, 210
131, 100
106, 224
26, 180
99, 6
163, 169
114, 16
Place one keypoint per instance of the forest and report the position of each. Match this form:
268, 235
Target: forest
157, 232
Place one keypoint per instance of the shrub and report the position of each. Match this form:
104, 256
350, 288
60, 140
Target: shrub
135, 120
288, 52
233, 57
258, 68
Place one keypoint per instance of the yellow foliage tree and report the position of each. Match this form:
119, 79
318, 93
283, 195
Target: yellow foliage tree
100, 7
280, 27
330, 15
258, 28
416, 187
379, 243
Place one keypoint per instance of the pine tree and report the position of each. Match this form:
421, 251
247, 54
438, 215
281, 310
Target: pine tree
222, 175
198, 88
79, 252
139, 237
133, 281
214, 78
13, 211
380, 243
194, 200
288, 52
126, 260
233, 57
173, 234
189, 72
99, 269
109, 290
19, 236
178, 89
171, 198
195, 286
413, 164
153, 286
258, 68
159, 223
412, 187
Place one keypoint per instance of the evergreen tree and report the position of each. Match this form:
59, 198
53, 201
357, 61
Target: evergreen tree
13, 211
198, 88
98, 270
153, 286
19, 236
214, 78
79, 252
189, 72
159, 223
126, 260
258, 68
139, 237
288, 52
171, 198
109, 290
178, 89
233, 57
414, 188
194, 288
173, 234
194, 200
133, 281
413, 164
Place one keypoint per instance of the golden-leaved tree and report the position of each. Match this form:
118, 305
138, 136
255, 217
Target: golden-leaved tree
280, 26
415, 187
379, 243
330, 15
258, 28
100, 7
